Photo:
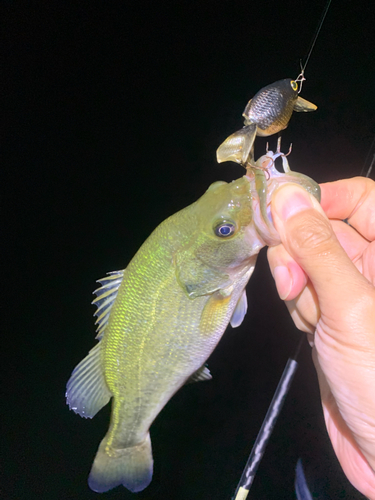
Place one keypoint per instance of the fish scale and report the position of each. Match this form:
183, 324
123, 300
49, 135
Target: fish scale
165, 315
175, 301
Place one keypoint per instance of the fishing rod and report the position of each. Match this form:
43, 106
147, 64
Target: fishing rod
268, 425
291, 366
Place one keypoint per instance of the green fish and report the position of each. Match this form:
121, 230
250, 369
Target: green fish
159, 320
267, 113
161, 317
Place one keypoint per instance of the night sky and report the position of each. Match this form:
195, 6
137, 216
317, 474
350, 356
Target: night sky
113, 112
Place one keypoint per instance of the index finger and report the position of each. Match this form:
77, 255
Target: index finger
352, 199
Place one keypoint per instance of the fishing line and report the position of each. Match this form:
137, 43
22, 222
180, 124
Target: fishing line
300, 78
268, 425
367, 157
290, 369
291, 366
370, 167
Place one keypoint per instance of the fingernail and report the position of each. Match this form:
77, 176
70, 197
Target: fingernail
283, 281
289, 200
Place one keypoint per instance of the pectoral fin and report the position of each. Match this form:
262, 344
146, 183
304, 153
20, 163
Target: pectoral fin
240, 311
203, 373
237, 147
196, 277
214, 313
303, 105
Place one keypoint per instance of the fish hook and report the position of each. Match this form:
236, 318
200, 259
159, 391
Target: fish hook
263, 169
283, 155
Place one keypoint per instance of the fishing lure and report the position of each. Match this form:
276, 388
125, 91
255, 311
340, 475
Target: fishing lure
267, 113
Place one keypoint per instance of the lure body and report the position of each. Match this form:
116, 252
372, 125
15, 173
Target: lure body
267, 113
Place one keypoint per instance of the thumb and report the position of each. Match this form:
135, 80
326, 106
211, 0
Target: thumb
307, 235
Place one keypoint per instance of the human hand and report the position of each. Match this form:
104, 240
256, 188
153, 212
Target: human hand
325, 271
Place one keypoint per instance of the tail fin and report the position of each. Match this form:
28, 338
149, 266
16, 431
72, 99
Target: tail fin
131, 467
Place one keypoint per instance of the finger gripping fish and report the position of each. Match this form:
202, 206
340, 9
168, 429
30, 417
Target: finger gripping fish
267, 113
161, 317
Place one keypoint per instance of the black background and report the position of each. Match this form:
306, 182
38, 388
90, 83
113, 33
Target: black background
113, 114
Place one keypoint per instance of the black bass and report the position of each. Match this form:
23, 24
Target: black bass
161, 317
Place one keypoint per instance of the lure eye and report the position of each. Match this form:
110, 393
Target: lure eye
294, 85
225, 229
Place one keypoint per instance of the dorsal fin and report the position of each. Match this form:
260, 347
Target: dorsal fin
203, 373
105, 297
86, 390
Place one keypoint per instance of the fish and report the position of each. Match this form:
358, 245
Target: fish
160, 318
267, 113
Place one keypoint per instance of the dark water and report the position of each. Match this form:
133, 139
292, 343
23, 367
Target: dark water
112, 116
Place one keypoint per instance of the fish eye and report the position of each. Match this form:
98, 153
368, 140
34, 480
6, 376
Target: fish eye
294, 85
224, 229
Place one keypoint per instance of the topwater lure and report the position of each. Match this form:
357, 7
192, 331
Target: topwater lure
267, 113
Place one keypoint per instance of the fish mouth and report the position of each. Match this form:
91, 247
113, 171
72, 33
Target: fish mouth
264, 180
